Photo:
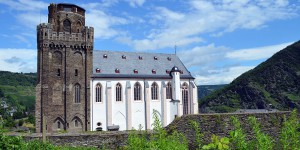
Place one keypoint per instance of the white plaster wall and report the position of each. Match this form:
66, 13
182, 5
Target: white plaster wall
119, 107
138, 107
98, 108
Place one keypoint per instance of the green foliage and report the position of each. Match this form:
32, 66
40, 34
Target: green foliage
237, 136
159, 139
290, 133
31, 119
219, 144
223, 109
194, 125
262, 141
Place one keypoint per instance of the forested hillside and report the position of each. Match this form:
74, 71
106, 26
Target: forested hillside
274, 83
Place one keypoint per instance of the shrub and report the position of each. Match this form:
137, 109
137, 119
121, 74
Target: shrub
237, 136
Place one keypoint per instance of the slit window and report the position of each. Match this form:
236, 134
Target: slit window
58, 72
76, 72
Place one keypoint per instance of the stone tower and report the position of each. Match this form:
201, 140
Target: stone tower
65, 57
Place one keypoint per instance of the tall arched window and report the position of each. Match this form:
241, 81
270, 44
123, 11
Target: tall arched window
154, 91
76, 123
185, 96
98, 93
137, 91
67, 25
118, 92
169, 91
77, 93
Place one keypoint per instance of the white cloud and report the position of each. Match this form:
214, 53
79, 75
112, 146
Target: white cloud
213, 17
18, 60
222, 76
25, 5
200, 56
256, 53
135, 3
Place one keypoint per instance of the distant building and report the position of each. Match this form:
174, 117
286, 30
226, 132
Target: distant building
80, 89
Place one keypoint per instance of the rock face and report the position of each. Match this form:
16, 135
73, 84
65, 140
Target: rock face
274, 83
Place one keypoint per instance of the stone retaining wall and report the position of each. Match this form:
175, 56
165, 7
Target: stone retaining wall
218, 124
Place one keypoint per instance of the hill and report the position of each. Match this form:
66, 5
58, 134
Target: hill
204, 90
17, 93
274, 83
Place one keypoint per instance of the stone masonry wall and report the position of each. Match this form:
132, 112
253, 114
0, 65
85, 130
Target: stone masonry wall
218, 124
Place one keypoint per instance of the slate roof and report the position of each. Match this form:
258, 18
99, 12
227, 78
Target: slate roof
144, 66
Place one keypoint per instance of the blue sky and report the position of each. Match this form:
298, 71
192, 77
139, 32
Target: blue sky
216, 39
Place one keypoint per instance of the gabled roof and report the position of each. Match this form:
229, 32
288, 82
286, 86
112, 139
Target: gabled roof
136, 65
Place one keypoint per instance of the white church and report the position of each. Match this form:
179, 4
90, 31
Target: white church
128, 87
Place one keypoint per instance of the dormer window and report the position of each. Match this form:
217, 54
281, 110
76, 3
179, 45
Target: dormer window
153, 71
98, 70
155, 58
169, 58
140, 58
135, 71
117, 70
123, 57
167, 71
104, 56
181, 72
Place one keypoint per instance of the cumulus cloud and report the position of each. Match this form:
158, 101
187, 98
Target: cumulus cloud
256, 53
222, 76
213, 17
18, 60
135, 3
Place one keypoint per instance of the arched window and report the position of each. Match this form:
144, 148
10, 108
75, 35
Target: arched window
169, 91
58, 124
137, 91
185, 96
118, 92
67, 25
154, 91
77, 93
98, 93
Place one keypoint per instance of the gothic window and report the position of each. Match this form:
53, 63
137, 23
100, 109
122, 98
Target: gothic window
118, 92
169, 91
154, 91
98, 93
78, 25
67, 25
76, 123
58, 124
137, 91
185, 93
77, 93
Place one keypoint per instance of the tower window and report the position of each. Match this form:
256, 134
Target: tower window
58, 72
77, 93
76, 72
76, 123
169, 91
58, 125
